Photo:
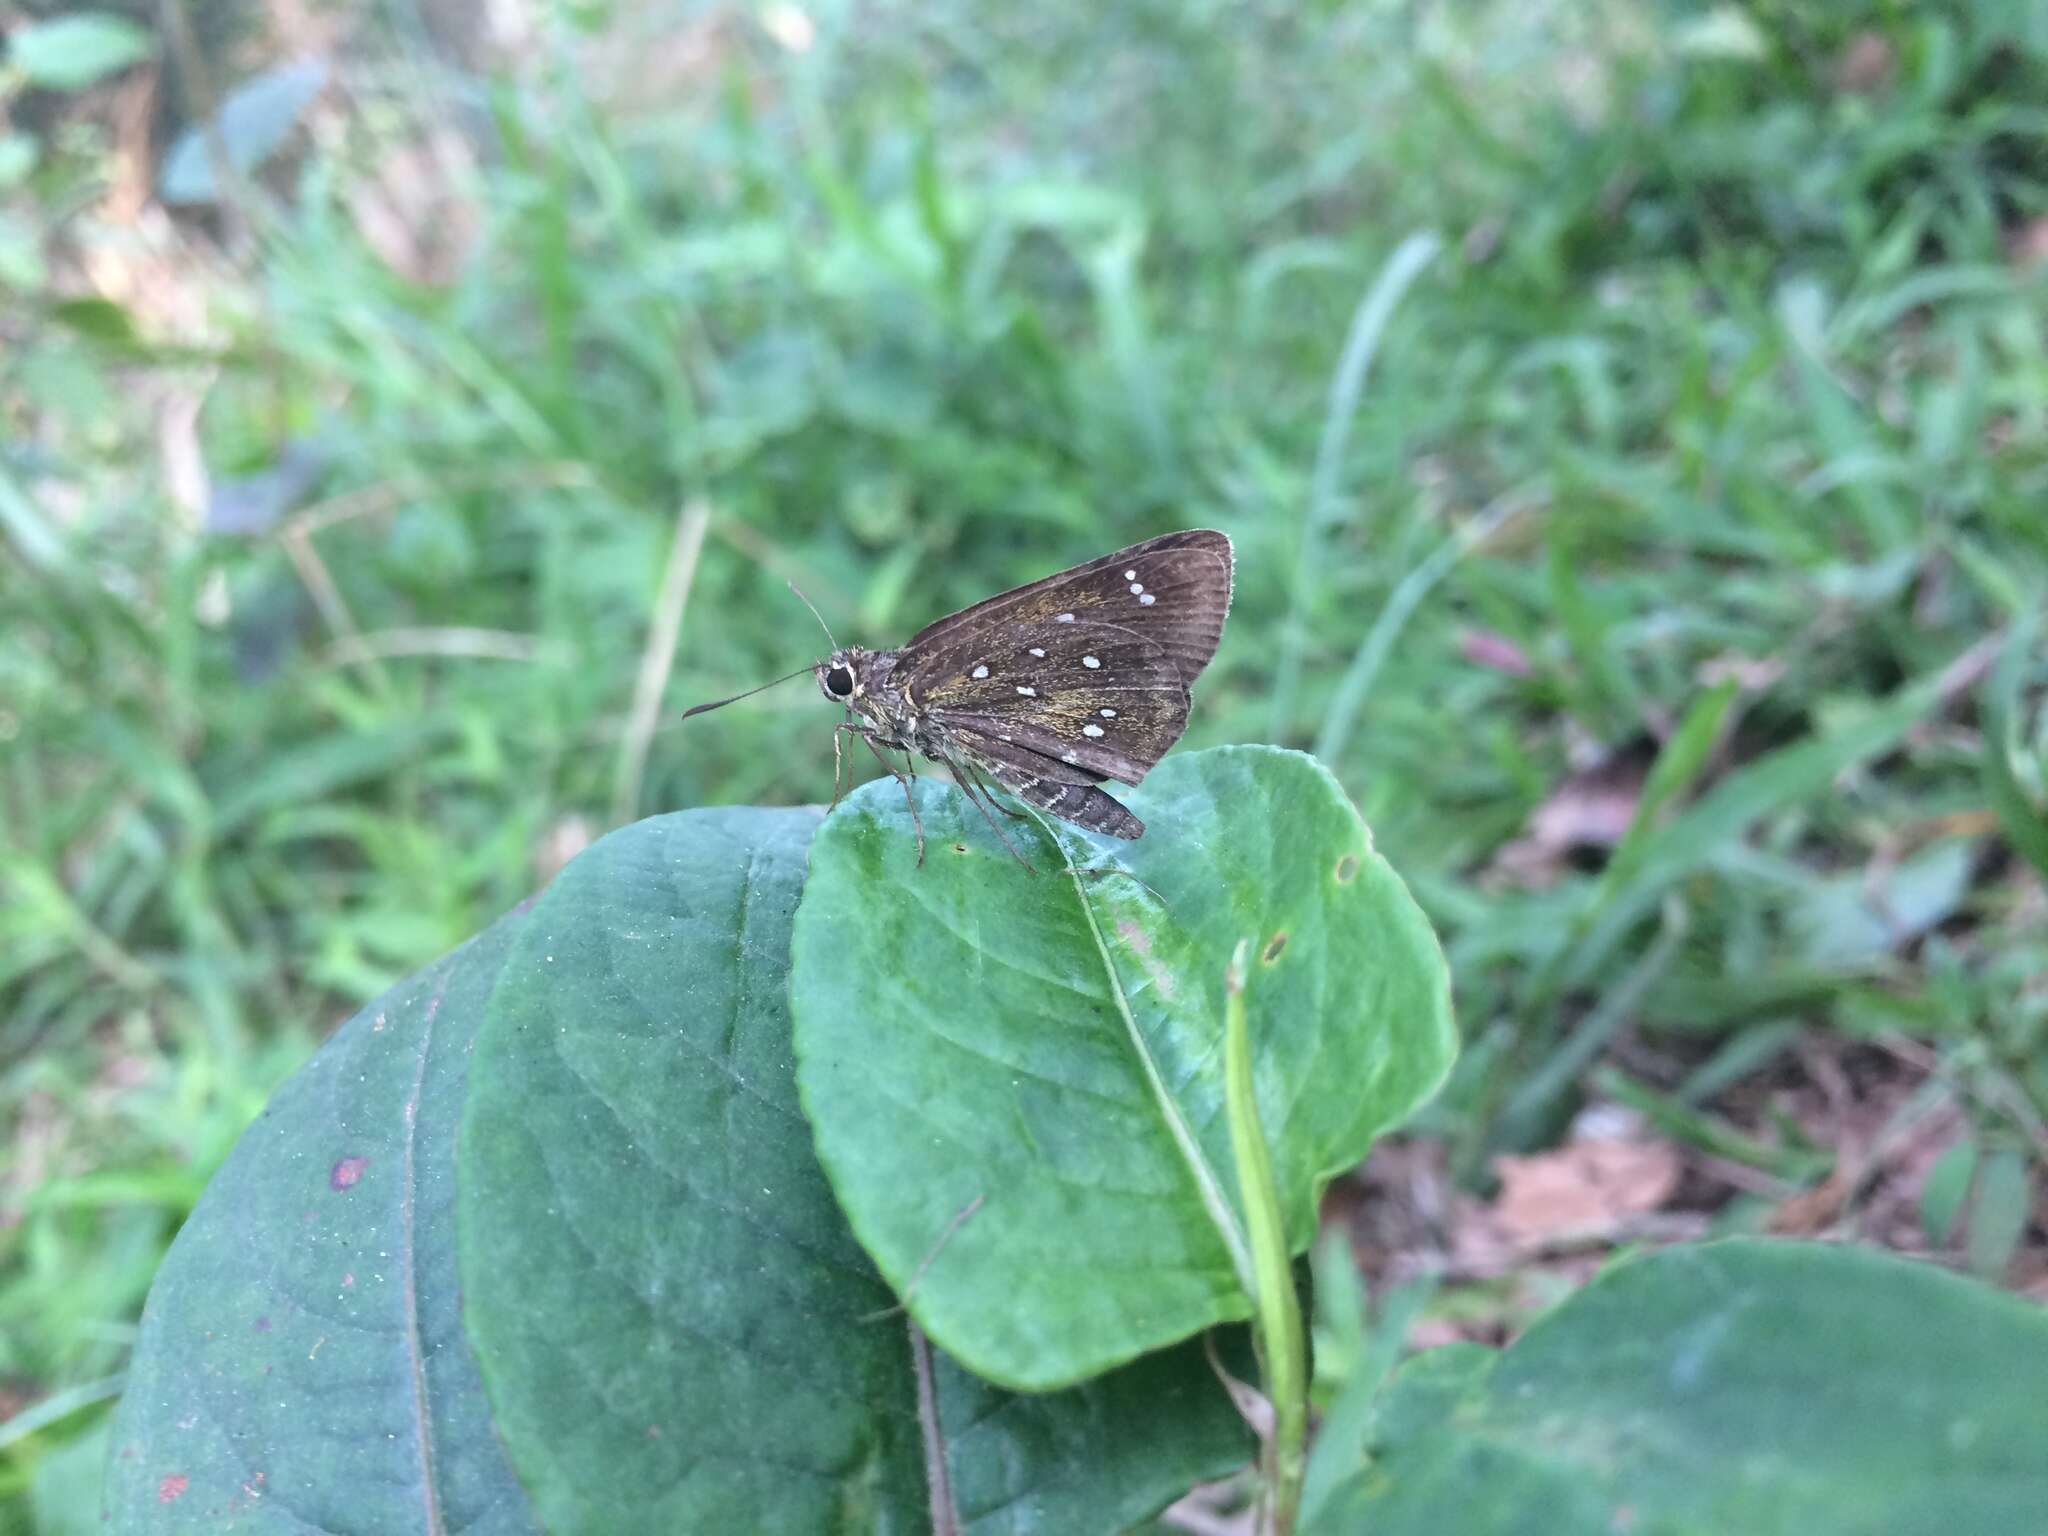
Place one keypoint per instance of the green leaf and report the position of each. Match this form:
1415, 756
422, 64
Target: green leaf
699, 1344
18, 155
1998, 1215
2022, 817
1339, 1334
1049, 1045
1843, 921
301, 1358
1345, 1432
98, 319
1754, 1386
68, 53
253, 123
1725, 32
1947, 1189
550, 1206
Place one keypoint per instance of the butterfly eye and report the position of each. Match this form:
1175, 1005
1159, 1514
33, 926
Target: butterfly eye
839, 682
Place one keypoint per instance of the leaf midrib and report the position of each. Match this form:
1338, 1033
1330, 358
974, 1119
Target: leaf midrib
1207, 1182
414, 1342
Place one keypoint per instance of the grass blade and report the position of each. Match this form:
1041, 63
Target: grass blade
1368, 323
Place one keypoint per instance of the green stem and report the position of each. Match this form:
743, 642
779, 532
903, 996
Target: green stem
1283, 1350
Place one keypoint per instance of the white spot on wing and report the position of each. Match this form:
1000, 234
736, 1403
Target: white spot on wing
1066, 757
1029, 693
1130, 575
1091, 729
1107, 714
981, 671
1038, 650
1063, 618
1146, 598
1091, 662
1137, 589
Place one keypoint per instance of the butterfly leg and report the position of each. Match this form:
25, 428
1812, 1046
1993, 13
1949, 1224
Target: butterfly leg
867, 734
968, 780
1102, 871
988, 795
982, 784
838, 762
1095, 870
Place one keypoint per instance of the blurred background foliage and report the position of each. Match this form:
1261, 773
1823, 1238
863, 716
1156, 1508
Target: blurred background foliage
1632, 418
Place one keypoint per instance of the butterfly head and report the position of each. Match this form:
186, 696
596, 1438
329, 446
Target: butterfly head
841, 676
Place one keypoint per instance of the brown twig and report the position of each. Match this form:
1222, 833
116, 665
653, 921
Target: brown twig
938, 1478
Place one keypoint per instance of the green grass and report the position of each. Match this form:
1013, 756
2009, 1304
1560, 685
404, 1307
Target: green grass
1713, 360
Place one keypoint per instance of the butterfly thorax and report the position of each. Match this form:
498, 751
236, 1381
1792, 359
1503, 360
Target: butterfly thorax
865, 682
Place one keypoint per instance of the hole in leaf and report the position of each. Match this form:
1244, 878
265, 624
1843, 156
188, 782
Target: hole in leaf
1347, 868
1273, 947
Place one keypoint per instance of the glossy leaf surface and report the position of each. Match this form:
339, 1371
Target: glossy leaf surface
539, 1242
1045, 1048
1775, 1388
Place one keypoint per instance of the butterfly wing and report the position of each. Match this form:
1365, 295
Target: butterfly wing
1065, 790
1092, 696
1173, 591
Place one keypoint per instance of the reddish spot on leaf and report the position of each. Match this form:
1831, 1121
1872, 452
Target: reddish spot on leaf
345, 1173
168, 1490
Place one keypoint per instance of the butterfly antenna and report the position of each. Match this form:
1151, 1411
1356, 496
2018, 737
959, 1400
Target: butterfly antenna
799, 591
698, 709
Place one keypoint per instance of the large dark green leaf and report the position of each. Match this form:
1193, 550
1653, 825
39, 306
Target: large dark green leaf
301, 1363
678, 1329
654, 1312
1049, 1045
1760, 1387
